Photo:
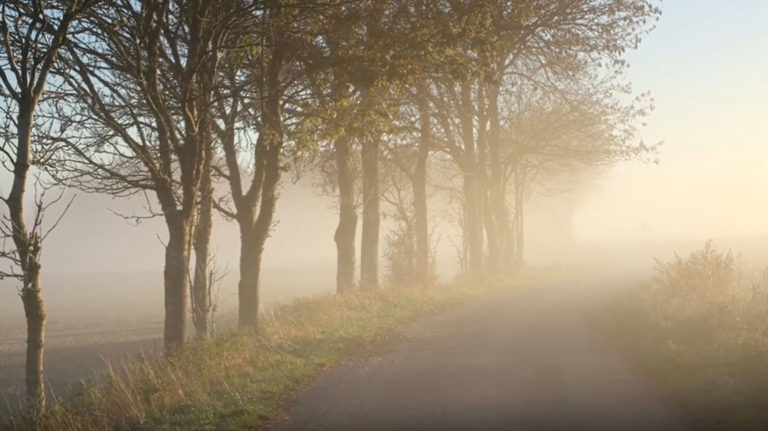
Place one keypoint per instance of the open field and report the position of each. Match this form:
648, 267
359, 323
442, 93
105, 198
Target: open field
92, 321
94, 318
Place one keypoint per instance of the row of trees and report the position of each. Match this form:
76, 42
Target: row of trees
201, 105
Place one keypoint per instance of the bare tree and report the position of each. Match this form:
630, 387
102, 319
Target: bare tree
33, 33
143, 75
259, 115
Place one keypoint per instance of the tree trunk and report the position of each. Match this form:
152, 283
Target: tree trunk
201, 291
489, 224
347, 228
249, 285
254, 232
34, 311
497, 198
484, 185
472, 202
253, 238
28, 247
369, 247
176, 278
474, 225
419, 185
518, 221
420, 218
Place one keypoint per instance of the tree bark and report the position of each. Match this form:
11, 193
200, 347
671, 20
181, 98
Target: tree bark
484, 186
249, 284
253, 238
176, 282
419, 185
369, 247
254, 233
471, 192
518, 222
498, 200
34, 311
347, 227
28, 252
201, 290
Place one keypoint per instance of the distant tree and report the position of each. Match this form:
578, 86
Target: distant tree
370, 57
545, 136
351, 68
549, 45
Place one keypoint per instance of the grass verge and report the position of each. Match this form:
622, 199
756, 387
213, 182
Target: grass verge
698, 329
239, 382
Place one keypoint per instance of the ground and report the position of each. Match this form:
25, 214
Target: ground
523, 359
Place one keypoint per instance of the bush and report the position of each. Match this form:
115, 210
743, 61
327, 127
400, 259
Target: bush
701, 287
700, 328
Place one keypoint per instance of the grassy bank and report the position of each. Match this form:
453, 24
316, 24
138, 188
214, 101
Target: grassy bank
243, 382
700, 330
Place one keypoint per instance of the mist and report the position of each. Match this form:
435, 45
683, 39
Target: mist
384, 184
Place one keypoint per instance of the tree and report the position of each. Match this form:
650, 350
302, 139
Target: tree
372, 53
143, 76
200, 288
408, 151
545, 136
550, 45
348, 71
33, 33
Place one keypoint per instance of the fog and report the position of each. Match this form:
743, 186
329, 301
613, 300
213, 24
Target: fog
708, 180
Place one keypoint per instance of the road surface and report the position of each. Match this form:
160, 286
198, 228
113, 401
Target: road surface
522, 360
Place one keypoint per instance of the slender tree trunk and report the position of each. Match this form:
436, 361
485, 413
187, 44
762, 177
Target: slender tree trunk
201, 291
176, 278
471, 187
34, 311
420, 218
347, 228
369, 247
519, 220
419, 185
490, 227
28, 252
484, 185
474, 225
497, 198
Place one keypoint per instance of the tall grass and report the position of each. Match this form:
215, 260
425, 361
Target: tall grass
700, 327
237, 381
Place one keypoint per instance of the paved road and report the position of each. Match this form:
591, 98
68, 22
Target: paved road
512, 361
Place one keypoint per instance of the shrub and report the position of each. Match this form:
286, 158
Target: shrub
704, 285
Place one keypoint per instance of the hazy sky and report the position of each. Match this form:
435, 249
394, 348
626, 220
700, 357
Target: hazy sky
706, 65
707, 68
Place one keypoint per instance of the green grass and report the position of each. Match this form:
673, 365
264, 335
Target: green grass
240, 382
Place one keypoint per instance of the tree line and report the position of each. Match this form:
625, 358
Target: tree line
202, 106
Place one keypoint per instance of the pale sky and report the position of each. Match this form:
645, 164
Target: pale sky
706, 65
